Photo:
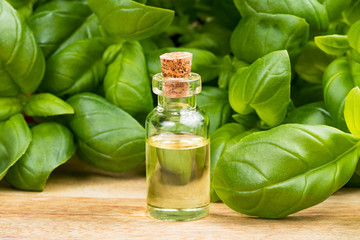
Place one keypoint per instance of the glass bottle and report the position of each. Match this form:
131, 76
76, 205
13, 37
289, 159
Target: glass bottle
177, 144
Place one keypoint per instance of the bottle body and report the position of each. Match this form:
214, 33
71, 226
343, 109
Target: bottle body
177, 160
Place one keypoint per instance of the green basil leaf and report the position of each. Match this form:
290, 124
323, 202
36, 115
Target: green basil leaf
351, 14
89, 29
15, 138
312, 63
355, 72
111, 53
333, 44
311, 10
214, 101
129, 20
237, 65
249, 120
266, 33
204, 62
162, 3
53, 22
334, 8
352, 111
226, 72
52, 145
23, 7
212, 37
274, 173
76, 68
126, 82
225, 13
311, 114
337, 83
107, 137
354, 36
354, 55
222, 140
263, 87
18, 3
148, 45
46, 104
22, 63
10, 106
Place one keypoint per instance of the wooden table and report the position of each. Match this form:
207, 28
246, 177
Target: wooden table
82, 202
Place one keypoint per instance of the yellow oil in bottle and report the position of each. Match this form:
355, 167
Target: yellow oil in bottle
178, 177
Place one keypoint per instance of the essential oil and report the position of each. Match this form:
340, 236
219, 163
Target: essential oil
177, 145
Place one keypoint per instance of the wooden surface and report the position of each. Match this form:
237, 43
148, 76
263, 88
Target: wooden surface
80, 202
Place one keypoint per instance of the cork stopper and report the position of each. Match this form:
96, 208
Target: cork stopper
176, 66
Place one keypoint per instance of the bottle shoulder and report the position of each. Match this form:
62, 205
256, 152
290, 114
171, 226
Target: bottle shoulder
186, 121
160, 112
186, 116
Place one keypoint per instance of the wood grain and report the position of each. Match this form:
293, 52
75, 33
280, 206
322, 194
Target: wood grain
80, 202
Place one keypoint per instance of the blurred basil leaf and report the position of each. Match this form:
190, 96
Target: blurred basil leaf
259, 34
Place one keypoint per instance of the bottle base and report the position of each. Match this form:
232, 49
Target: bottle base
178, 214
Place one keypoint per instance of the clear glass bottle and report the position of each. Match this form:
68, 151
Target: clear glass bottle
177, 149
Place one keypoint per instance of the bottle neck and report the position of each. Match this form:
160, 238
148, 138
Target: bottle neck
176, 104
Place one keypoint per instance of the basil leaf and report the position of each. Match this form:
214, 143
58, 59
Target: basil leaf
334, 8
352, 111
127, 83
10, 106
46, 104
53, 22
18, 3
227, 70
354, 55
76, 68
311, 114
107, 137
225, 13
221, 141
89, 29
212, 37
204, 62
263, 87
278, 172
52, 145
259, 34
337, 83
249, 120
354, 35
351, 14
214, 101
312, 63
311, 10
333, 44
15, 138
120, 23
355, 72
23, 7
22, 63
